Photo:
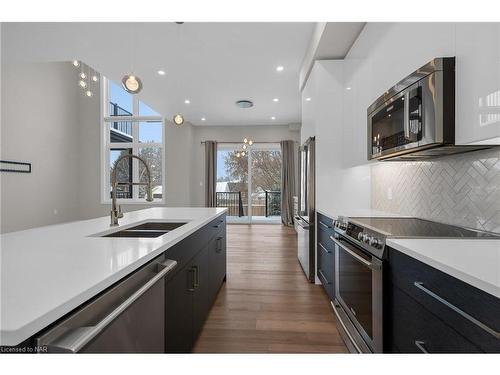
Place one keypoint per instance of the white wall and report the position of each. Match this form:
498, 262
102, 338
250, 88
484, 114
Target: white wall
47, 121
228, 134
40, 126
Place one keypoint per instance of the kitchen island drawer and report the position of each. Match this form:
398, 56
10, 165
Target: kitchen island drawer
416, 330
471, 312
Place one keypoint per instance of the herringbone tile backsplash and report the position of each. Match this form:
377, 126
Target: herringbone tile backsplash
462, 189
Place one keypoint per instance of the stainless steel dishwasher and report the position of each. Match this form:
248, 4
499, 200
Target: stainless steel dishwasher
129, 317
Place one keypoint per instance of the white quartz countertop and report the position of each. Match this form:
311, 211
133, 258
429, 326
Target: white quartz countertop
474, 261
46, 272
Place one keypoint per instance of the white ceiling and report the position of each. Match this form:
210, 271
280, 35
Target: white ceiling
211, 64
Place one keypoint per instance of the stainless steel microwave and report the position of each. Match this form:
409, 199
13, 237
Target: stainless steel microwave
415, 119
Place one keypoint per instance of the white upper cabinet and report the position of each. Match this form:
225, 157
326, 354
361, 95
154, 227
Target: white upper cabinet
309, 102
477, 83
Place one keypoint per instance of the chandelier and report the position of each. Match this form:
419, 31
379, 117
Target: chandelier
244, 147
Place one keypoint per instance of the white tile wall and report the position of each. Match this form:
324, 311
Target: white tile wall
460, 189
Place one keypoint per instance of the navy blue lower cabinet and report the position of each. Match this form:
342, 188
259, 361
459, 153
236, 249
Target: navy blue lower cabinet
192, 290
416, 330
325, 264
422, 296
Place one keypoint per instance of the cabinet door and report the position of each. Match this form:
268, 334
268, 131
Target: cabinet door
477, 82
201, 304
216, 266
179, 311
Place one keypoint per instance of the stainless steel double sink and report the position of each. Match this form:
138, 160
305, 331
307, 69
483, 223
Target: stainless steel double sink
146, 230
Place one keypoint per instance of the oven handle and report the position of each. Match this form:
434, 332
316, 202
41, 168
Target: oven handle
354, 255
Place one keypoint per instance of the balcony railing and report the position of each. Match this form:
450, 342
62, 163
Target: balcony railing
122, 126
273, 203
232, 201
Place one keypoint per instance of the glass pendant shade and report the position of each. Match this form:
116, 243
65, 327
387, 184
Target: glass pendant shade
178, 119
132, 84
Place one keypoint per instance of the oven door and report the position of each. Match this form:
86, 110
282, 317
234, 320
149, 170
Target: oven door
397, 125
359, 291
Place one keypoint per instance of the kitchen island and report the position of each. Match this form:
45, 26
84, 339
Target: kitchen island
50, 271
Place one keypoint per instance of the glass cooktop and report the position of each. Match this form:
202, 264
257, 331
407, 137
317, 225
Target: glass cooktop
412, 227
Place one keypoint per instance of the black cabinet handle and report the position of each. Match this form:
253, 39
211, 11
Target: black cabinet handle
196, 277
218, 225
421, 346
484, 327
191, 278
219, 245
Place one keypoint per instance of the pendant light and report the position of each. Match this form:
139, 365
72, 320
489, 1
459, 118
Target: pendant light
130, 82
178, 119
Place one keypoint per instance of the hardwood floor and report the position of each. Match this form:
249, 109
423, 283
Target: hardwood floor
266, 305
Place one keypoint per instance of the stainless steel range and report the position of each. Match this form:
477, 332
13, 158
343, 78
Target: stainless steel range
360, 250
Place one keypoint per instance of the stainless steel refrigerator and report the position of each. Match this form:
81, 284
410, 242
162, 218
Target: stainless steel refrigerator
305, 219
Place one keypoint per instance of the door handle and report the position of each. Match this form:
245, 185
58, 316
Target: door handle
406, 115
75, 339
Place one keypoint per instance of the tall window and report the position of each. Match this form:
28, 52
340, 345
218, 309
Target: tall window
130, 126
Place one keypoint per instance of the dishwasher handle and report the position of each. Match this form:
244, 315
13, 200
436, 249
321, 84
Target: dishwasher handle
302, 223
75, 339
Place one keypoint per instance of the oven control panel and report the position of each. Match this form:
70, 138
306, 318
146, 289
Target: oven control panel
368, 239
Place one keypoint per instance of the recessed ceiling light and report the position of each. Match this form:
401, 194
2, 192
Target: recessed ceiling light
279, 68
347, 88
161, 72
187, 101
76, 63
276, 100
308, 99
203, 119
273, 118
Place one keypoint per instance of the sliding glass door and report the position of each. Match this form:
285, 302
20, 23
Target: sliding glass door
249, 184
